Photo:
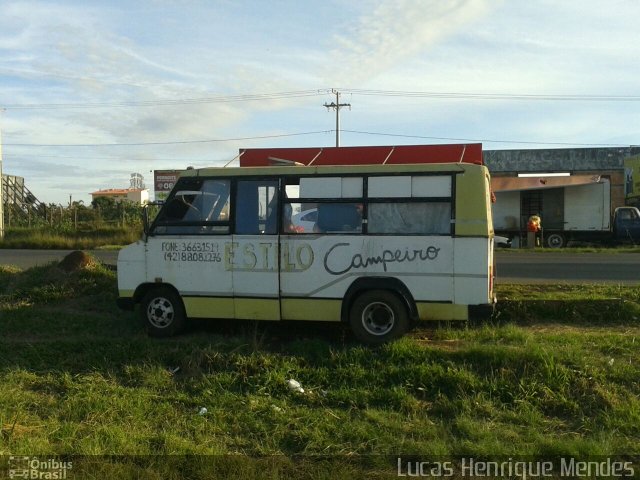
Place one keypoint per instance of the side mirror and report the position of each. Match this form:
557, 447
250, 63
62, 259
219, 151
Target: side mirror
145, 221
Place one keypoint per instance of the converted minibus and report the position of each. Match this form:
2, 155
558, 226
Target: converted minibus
391, 245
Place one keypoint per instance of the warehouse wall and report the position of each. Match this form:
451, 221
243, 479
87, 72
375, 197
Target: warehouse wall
557, 159
604, 162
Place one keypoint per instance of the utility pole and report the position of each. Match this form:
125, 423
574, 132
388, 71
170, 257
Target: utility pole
337, 106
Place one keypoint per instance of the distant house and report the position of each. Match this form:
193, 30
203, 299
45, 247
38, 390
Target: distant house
136, 195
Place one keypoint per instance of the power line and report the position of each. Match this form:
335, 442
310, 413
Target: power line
485, 140
180, 142
318, 92
496, 96
358, 132
168, 102
112, 157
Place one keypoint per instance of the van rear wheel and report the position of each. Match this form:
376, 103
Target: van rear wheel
163, 312
378, 316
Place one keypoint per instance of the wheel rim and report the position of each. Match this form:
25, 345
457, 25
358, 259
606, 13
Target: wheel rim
555, 241
160, 312
378, 318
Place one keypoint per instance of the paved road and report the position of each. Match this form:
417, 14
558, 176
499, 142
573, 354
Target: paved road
512, 267
548, 267
32, 258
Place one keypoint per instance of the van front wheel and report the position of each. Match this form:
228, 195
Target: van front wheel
378, 316
162, 312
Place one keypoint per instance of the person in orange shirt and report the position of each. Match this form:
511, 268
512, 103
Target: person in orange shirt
534, 225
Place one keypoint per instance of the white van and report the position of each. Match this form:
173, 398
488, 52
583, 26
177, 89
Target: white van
391, 244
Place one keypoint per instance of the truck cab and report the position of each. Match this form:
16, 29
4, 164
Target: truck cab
626, 224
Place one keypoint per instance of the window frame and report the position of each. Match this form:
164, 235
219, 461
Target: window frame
278, 179
365, 200
181, 187
284, 180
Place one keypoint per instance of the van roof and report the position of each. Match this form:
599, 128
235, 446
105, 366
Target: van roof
336, 170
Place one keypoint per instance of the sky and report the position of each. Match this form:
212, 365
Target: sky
92, 91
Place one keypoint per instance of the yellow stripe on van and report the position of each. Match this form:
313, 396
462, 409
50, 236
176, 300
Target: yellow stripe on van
442, 311
223, 307
204, 307
125, 293
258, 308
307, 309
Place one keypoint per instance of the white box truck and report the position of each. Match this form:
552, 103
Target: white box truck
579, 212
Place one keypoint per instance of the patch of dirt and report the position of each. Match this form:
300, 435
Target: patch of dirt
447, 345
75, 261
16, 430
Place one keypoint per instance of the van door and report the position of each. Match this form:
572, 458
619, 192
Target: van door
252, 255
186, 245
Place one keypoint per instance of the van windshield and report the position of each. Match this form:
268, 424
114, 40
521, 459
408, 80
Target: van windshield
200, 206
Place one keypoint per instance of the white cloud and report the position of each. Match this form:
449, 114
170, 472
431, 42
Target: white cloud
396, 31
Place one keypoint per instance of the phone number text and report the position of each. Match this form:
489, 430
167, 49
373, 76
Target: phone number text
192, 257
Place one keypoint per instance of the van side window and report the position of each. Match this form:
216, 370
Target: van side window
326, 204
428, 218
257, 207
197, 207
297, 216
410, 205
339, 218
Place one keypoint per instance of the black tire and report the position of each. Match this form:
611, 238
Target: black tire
378, 316
555, 240
162, 312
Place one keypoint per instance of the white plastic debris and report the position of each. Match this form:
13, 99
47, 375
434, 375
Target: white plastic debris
295, 386
611, 362
202, 411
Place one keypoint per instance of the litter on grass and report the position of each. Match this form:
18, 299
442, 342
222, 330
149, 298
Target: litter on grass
295, 386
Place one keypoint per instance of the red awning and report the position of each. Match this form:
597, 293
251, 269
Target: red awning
370, 155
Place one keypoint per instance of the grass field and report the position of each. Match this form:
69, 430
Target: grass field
543, 378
